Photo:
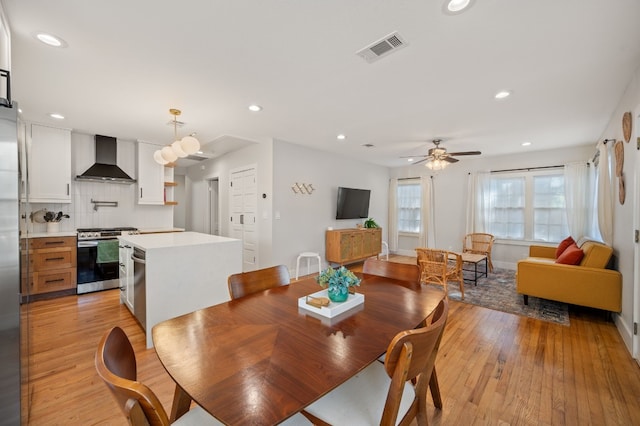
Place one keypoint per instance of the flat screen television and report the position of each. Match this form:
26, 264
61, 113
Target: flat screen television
353, 203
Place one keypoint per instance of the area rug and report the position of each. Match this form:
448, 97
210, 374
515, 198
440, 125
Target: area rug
498, 292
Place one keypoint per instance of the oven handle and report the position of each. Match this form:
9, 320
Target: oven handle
87, 244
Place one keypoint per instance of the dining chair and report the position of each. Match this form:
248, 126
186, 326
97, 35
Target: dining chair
246, 283
116, 365
439, 267
394, 270
479, 243
384, 393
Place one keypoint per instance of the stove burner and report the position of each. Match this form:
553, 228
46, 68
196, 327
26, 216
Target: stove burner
85, 234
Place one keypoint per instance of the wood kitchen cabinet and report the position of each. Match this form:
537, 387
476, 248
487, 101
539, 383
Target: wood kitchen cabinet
352, 245
150, 176
49, 266
49, 165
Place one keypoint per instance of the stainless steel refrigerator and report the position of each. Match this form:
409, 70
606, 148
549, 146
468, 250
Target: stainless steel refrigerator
9, 266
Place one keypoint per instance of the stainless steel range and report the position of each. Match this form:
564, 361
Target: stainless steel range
97, 258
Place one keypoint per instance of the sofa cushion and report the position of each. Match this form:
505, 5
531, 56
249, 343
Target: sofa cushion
596, 255
563, 245
571, 256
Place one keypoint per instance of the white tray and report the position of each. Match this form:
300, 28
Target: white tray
334, 309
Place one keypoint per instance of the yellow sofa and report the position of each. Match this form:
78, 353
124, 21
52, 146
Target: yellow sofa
587, 284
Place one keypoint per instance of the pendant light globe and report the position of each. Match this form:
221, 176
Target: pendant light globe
168, 154
190, 145
158, 157
177, 149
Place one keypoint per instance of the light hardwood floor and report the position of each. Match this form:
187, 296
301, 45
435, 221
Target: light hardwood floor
494, 368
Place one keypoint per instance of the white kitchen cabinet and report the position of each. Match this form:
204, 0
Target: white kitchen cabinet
150, 175
49, 164
126, 275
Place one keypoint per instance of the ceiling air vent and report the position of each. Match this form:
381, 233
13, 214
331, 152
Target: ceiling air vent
383, 47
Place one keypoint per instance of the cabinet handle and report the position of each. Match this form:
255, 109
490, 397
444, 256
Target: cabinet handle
68, 192
54, 258
48, 243
140, 192
54, 281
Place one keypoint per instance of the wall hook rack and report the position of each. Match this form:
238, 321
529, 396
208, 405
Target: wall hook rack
302, 188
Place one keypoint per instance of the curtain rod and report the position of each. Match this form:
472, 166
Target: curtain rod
412, 178
526, 169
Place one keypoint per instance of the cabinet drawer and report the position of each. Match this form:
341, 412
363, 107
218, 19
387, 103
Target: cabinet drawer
45, 282
46, 260
52, 242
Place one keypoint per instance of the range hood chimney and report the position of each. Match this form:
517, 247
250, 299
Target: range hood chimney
105, 168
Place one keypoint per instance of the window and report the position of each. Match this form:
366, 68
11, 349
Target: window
527, 206
408, 203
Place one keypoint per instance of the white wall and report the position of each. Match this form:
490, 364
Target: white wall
450, 188
623, 238
305, 218
258, 155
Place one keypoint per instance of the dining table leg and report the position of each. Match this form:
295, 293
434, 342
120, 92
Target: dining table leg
435, 389
181, 404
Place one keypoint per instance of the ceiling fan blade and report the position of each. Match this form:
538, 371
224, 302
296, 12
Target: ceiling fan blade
421, 161
450, 159
414, 156
466, 153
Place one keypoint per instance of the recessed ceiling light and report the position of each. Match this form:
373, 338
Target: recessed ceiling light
56, 116
503, 94
341, 137
255, 108
410, 160
526, 143
51, 40
454, 7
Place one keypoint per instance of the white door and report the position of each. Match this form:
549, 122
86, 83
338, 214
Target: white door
636, 256
243, 202
214, 226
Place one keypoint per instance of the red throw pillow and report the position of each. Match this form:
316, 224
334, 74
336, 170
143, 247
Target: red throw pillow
563, 245
571, 256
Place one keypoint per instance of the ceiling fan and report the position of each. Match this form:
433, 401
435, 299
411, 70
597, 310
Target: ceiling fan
438, 156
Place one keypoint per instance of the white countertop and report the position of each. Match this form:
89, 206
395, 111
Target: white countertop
173, 239
159, 230
49, 234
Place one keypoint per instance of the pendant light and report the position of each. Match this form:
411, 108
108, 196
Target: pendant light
180, 148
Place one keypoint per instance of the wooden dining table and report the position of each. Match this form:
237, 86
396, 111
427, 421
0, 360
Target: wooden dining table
260, 359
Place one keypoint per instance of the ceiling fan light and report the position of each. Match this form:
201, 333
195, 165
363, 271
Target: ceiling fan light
168, 154
158, 157
177, 149
190, 145
436, 164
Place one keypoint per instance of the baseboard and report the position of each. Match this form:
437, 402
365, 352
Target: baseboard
625, 331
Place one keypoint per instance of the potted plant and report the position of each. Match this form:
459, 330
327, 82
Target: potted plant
370, 223
337, 281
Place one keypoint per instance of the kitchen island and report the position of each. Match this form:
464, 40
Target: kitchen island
182, 272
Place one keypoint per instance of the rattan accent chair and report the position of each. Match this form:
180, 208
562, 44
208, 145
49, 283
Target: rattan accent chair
439, 267
479, 243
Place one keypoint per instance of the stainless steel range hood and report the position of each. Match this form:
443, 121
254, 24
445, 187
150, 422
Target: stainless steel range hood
105, 168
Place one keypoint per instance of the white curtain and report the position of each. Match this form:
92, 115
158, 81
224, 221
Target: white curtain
427, 236
392, 232
605, 194
478, 202
577, 194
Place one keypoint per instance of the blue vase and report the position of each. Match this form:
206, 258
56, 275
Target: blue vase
338, 293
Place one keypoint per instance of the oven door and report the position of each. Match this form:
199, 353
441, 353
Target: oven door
93, 274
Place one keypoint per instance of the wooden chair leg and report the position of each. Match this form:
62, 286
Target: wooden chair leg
181, 404
435, 389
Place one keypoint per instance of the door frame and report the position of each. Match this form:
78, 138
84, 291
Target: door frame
214, 208
635, 337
